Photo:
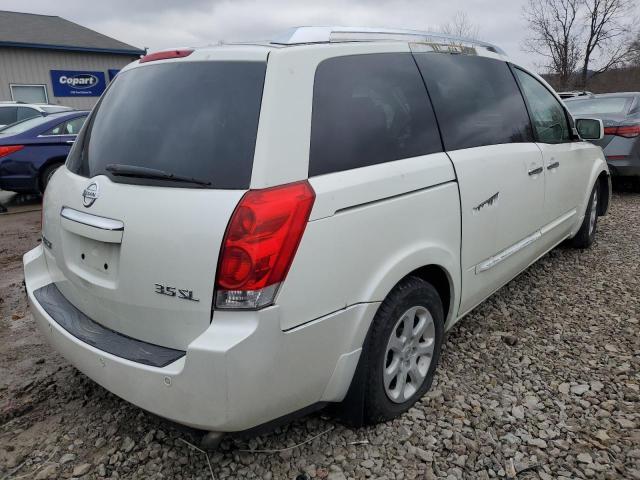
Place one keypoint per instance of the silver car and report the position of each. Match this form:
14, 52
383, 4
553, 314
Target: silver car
620, 114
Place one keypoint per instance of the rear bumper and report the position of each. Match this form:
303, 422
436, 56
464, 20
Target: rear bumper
628, 166
242, 372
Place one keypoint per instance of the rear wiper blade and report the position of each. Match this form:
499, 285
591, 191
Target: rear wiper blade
144, 172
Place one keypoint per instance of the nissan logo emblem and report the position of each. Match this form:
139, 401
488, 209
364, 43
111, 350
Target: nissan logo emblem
90, 195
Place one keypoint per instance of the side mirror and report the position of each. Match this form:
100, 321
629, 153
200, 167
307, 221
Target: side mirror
590, 128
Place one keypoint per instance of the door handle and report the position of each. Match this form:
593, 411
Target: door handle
553, 165
535, 171
71, 142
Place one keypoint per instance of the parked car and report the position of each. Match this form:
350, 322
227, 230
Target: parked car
12, 112
620, 114
245, 233
574, 94
32, 150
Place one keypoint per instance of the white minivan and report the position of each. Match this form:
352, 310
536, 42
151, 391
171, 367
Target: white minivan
244, 233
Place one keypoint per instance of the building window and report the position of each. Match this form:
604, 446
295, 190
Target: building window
29, 93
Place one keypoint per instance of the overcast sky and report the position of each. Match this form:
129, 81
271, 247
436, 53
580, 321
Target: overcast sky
158, 24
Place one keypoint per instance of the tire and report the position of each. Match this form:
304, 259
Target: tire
382, 397
587, 233
46, 175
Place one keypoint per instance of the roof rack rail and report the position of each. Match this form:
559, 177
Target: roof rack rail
308, 34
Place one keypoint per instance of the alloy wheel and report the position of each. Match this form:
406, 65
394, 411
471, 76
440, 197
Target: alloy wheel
408, 354
594, 212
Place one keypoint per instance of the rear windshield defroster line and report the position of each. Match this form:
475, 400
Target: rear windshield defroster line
192, 119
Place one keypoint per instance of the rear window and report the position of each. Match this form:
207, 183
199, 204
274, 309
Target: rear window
25, 125
476, 99
600, 106
190, 119
369, 109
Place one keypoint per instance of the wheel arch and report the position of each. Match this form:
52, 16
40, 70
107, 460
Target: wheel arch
436, 265
438, 276
604, 191
47, 163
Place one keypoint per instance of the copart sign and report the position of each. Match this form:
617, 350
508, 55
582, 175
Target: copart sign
74, 83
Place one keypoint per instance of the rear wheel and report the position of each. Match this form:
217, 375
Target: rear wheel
46, 175
587, 233
401, 352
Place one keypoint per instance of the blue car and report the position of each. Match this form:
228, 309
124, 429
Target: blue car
32, 150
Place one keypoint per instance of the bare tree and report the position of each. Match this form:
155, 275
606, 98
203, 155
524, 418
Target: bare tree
461, 26
634, 51
607, 35
555, 35
591, 34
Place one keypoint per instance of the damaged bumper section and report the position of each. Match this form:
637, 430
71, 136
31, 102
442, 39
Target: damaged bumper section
241, 372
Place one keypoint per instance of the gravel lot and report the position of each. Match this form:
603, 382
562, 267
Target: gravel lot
542, 381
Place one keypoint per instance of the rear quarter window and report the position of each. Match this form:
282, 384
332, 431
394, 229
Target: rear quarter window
369, 109
476, 100
191, 119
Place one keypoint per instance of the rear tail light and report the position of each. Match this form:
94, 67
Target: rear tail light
627, 131
9, 149
259, 245
167, 54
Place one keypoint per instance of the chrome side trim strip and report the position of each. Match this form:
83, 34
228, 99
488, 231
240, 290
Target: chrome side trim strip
503, 255
95, 221
557, 222
524, 243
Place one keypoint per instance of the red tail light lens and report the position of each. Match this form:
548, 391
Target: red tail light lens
627, 131
9, 149
167, 54
260, 243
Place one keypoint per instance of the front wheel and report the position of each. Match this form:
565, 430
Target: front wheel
401, 352
587, 233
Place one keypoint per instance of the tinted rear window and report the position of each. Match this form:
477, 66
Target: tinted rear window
600, 106
369, 109
476, 99
25, 125
193, 119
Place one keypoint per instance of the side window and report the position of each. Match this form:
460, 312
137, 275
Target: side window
548, 116
71, 127
27, 112
57, 130
369, 109
8, 115
476, 99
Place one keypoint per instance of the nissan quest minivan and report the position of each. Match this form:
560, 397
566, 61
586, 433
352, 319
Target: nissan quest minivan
247, 232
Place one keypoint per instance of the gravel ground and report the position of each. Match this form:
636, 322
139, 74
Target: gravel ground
541, 381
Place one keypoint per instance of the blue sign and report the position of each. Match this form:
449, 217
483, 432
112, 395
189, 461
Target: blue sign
112, 73
73, 83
